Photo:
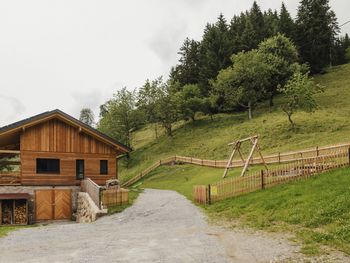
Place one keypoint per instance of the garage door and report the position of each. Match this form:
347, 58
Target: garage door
53, 204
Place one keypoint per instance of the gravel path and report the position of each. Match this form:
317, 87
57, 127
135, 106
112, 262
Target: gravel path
162, 226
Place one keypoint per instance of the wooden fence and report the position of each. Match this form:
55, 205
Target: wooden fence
113, 197
93, 189
298, 169
278, 158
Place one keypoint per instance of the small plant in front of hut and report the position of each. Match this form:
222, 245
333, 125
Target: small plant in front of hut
299, 95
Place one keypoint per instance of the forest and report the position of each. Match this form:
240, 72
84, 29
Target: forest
238, 63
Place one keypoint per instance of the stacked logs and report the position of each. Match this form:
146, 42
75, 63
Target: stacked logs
7, 214
20, 213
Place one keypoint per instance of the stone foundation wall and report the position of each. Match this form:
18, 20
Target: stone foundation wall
87, 210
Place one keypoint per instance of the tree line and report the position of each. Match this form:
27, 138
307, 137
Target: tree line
234, 66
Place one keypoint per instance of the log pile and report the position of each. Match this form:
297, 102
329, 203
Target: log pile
7, 214
20, 213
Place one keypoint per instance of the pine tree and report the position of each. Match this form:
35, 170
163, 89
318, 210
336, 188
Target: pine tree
255, 29
187, 71
346, 41
215, 52
271, 23
317, 28
236, 29
286, 24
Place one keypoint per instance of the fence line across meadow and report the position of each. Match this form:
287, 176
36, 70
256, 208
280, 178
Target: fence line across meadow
298, 169
278, 158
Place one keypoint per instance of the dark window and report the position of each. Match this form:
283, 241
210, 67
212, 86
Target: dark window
44, 166
80, 169
103, 167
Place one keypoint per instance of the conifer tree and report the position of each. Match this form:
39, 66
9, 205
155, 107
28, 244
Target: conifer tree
215, 52
317, 28
187, 71
286, 24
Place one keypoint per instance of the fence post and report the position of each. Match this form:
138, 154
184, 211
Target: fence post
209, 194
262, 180
279, 158
349, 155
317, 151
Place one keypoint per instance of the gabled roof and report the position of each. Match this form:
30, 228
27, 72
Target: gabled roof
17, 126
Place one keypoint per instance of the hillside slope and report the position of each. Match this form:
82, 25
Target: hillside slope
205, 138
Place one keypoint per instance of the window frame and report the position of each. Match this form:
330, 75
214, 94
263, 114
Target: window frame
104, 172
77, 174
41, 171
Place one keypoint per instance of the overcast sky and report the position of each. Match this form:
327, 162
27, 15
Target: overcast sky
77, 53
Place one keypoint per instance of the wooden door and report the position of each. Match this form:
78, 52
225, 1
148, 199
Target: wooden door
53, 204
43, 205
62, 206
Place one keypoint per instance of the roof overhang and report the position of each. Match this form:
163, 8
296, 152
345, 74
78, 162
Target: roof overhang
14, 196
9, 135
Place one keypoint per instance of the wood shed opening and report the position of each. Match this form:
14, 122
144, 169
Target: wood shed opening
14, 209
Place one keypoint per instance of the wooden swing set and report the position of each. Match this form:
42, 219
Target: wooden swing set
237, 148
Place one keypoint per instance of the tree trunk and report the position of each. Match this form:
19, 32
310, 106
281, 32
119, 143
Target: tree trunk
271, 100
250, 110
168, 129
156, 130
290, 120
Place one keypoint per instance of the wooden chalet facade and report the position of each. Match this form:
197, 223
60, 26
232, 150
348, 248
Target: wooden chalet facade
55, 150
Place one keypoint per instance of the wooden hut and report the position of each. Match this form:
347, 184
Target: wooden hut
47, 155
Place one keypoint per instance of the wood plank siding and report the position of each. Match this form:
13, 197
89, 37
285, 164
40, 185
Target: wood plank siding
55, 139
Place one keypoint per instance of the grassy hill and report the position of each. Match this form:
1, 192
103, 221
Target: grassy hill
205, 138
316, 210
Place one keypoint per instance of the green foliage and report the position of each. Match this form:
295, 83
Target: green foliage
187, 71
316, 30
286, 24
299, 93
191, 101
148, 96
348, 54
214, 52
244, 83
167, 106
120, 116
87, 116
297, 207
281, 54
206, 138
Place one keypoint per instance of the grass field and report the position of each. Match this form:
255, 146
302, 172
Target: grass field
330, 124
182, 178
4, 230
316, 210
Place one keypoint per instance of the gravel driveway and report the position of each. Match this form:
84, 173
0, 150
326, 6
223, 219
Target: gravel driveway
162, 226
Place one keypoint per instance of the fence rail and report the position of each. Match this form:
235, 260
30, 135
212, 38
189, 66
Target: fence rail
93, 189
297, 169
278, 158
113, 197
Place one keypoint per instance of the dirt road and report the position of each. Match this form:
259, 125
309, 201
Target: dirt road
162, 226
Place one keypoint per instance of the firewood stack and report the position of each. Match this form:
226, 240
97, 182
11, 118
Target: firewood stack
6, 215
20, 214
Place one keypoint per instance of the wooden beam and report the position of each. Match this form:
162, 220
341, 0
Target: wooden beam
243, 140
261, 156
10, 151
249, 157
237, 145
